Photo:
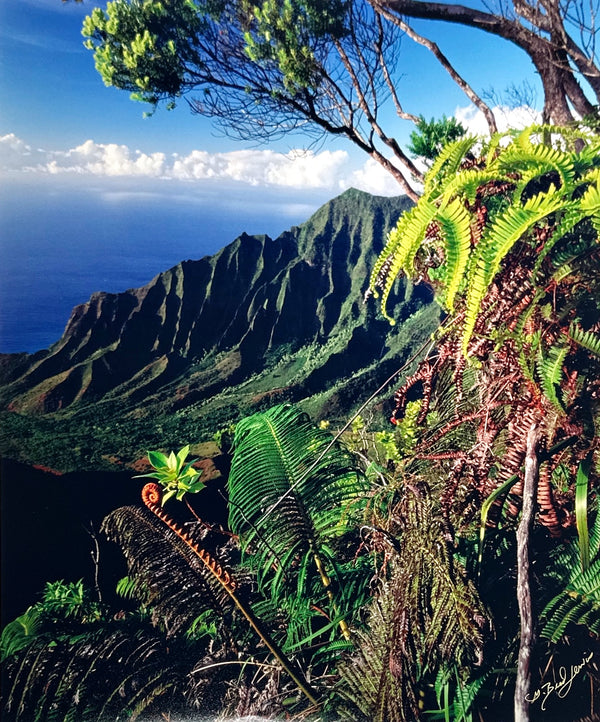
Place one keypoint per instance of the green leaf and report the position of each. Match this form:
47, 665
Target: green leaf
158, 459
581, 507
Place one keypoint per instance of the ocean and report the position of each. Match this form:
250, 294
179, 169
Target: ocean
63, 239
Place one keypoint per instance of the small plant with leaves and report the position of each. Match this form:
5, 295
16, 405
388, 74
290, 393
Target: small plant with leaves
173, 473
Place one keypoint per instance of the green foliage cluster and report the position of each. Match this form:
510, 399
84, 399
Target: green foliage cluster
141, 46
432, 135
174, 474
158, 49
375, 579
287, 32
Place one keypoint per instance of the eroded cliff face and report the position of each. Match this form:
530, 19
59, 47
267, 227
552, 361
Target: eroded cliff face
253, 296
211, 325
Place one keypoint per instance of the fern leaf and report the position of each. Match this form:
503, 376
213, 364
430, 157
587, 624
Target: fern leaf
291, 488
549, 369
456, 228
535, 160
400, 249
448, 162
466, 183
499, 238
586, 339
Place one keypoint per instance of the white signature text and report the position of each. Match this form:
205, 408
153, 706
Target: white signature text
561, 686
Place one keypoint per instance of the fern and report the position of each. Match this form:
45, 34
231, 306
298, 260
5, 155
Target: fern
447, 163
163, 573
507, 228
20, 632
535, 160
294, 492
549, 369
585, 339
401, 247
456, 229
579, 603
579, 565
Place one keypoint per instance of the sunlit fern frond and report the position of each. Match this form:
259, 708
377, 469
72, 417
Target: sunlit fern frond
20, 632
447, 163
466, 183
400, 249
499, 238
590, 203
534, 161
456, 230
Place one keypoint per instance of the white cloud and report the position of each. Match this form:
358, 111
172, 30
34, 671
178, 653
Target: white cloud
296, 169
473, 120
330, 171
373, 178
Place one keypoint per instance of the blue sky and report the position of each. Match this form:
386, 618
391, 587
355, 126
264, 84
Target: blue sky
58, 118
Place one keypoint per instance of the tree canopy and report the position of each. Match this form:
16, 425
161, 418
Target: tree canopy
263, 69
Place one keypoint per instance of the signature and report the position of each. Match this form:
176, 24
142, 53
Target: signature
562, 686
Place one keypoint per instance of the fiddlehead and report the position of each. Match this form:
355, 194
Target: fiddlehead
152, 497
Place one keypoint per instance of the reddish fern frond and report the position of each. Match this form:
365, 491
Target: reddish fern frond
152, 498
548, 510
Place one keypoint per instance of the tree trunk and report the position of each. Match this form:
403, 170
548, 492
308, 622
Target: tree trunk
523, 682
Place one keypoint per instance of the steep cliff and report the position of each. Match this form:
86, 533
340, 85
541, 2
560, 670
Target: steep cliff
260, 320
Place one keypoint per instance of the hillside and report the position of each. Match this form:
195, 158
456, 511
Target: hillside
259, 322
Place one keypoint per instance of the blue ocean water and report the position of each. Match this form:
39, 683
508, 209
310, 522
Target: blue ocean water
60, 241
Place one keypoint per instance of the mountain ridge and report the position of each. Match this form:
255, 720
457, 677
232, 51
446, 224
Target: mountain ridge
210, 326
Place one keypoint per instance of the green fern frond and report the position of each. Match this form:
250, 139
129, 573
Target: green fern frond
581, 512
456, 228
293, 491
400, 249
466, 183
20, 632
499, 238
578, 604
549, 369
570, 217
535, 160
585, 339
447, 163
590, 204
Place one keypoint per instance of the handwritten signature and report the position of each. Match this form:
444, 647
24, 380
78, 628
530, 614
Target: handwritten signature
560, 687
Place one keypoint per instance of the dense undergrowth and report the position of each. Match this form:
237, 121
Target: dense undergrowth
384, 575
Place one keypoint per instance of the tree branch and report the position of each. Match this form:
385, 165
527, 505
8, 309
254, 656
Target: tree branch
446, 64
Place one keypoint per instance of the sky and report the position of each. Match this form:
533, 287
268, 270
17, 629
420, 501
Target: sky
57, 118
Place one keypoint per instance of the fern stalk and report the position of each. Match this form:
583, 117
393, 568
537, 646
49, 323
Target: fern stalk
152, 496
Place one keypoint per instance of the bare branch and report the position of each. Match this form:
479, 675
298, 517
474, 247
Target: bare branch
445, 63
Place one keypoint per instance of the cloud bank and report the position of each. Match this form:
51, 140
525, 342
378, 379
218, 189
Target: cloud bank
326, 170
